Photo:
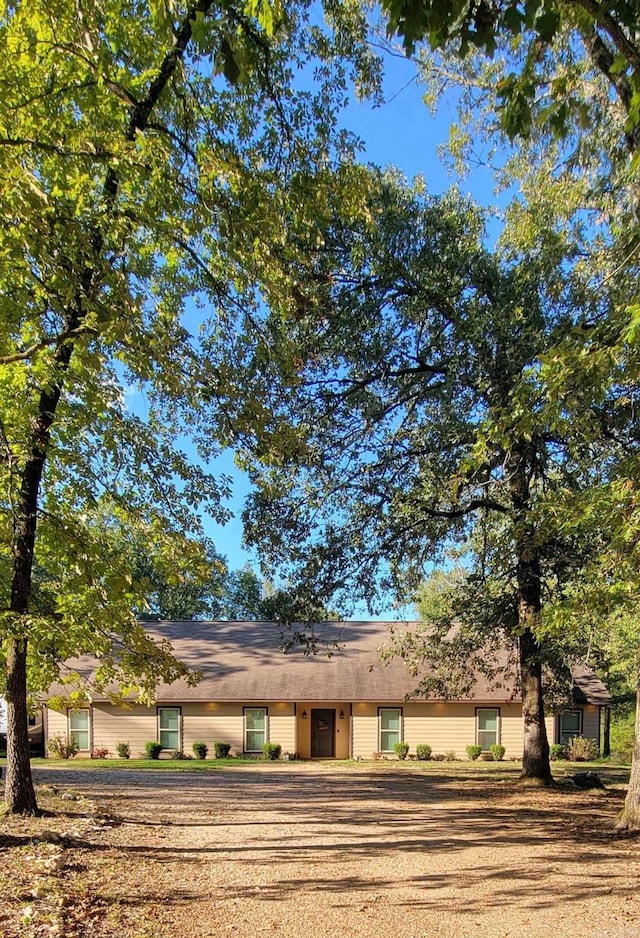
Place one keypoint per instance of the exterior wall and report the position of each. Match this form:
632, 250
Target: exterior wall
591, 723
282, 726
364, 730
200, 722
342, 742
56, 725
444, 726
111, 724
212, 723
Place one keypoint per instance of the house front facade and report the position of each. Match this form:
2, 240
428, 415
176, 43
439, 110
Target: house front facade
340, 703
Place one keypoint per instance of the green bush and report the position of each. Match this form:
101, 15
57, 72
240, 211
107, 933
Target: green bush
271, 751
123, 750
557, 751
153, 749
450, 756
64, 747
423, 752
622, 738
200, 750
474, 752
497, 751
222, 750
401, 750
581, 749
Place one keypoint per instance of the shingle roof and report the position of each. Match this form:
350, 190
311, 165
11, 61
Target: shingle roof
243, 661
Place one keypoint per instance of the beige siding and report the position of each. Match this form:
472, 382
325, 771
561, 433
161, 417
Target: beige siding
343, 742
56, 726
591, 723
364, 730
282, 726
134, 726
446, 727
550, 723
212, 723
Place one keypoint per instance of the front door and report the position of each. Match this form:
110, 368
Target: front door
323, 725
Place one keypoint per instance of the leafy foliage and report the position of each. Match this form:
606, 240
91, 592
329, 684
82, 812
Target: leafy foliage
153, 749
550, 49
64, 747
144, 200
421, 426
581, 749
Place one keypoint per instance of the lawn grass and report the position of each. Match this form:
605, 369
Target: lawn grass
173, 765
610, 773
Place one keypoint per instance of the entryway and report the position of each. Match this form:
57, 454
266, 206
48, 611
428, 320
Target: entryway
323, 734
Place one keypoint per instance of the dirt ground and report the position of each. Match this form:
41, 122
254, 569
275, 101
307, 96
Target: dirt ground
307, 850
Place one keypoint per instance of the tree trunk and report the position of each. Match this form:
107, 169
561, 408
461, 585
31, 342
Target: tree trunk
606, 732
535, 757
536, 767
629, 819
19, 791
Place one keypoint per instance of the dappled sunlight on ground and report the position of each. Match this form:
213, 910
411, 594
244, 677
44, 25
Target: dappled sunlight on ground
334, 851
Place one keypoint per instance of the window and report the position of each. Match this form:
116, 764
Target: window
390, 728
488, 727
169, 727
569, 725
79, 728
255, 728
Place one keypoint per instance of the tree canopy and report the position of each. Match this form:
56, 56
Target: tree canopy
419, 418
149, 153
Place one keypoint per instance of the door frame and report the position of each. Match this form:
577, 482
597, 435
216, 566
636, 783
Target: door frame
315, 719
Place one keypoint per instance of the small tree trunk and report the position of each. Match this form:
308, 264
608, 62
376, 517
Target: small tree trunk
19, 791
606, 732
629, 819
535, 756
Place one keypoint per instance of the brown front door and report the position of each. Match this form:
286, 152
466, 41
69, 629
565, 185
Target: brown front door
323, 734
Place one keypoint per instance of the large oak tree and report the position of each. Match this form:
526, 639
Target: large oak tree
148, 154
417, 417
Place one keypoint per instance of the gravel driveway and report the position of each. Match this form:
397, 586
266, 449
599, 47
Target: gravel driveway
316, 850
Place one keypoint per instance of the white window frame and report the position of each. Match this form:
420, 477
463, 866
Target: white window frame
400, 733
76, 732
163, 729
496, 742
246, 729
